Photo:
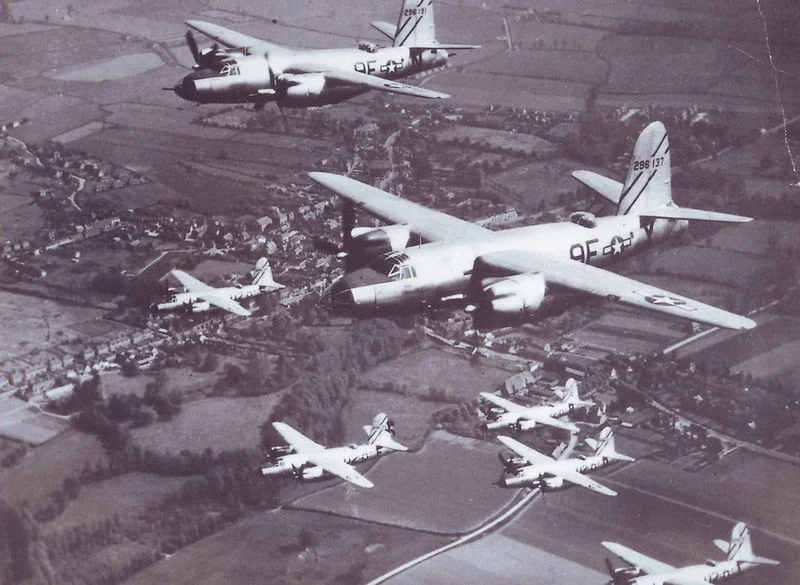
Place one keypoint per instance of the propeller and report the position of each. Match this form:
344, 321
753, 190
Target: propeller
192, 43
508, 464
618, 576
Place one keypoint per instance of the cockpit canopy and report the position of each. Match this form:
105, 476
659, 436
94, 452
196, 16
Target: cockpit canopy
394, 266
228, 67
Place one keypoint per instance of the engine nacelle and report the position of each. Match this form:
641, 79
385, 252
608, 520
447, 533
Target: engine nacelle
369, 241
525, 425
298, 87
551, 483
277, 451
521, 293
311, 473
199, 307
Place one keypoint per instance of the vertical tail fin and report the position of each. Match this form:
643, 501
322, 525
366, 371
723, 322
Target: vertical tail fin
570, 394
648, 180
262, 274
415, 26
380, 433
740, 549
604, 446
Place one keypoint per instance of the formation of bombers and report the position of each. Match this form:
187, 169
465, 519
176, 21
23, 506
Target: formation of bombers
499, 277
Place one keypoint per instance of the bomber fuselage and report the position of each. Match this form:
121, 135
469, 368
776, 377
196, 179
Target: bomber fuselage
440, 274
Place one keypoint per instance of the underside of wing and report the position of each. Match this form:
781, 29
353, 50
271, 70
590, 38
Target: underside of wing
532, 456
226, 303
615, 287
684, 581
506, 405
341, 469
637, 559
431, 225
364, 81
296, 440
232, 39
584, 481
190, 283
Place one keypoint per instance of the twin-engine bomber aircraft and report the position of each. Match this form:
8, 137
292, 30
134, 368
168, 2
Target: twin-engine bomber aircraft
511, 275
523, 418
254, 71
308, 460
539, 470
648, 571
199, 297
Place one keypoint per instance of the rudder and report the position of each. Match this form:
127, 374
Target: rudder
648, 180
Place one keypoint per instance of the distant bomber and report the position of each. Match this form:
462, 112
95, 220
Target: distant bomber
535, 469
309, 461
507, 414
249, 70
648, 571
199, 297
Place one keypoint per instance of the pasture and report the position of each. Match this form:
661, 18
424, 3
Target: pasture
218, 423
45, 467
423, 370
124, 495
490, 139
446, 487
263, 547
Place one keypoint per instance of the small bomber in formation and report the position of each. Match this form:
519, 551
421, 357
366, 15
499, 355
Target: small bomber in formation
648, 571
509, 276
251, 70
199, 297
532, 468
308, 460
523, 418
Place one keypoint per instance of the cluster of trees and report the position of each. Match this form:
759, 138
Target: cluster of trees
329, 380
13, 456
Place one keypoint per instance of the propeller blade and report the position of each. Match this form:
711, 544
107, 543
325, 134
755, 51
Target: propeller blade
610, 568
193, 46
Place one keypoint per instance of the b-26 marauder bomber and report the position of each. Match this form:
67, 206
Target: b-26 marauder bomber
509, 276
539, 470
648, 571
250, 70
308, 460
523, 418
199, 297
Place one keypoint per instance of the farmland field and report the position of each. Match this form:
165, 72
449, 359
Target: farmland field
498, 139
775, 362
123, 495
749, 344
423, 370
45, 467
445, 487
218, 423
725, 267
263, 548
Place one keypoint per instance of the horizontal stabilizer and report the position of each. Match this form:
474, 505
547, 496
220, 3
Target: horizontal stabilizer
608, 188
385, 28
762, 561
445, 47
722, 545
692, 214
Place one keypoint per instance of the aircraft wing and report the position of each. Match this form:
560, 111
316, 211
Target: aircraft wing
431, 225
555, 423
230, 38
365, 81
614, 287
297, 440
506, 405
190, 283
684, 581
224, 302
584, 481
530, 455
643, 562
341, 469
